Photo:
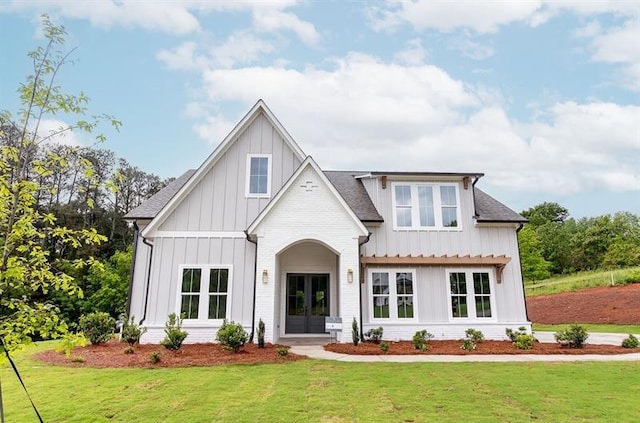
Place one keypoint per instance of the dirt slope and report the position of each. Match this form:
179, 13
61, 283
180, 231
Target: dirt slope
618, 305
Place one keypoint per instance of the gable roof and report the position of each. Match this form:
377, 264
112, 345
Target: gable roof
152, 206
308, 162
490, 210
355, 194
259, 108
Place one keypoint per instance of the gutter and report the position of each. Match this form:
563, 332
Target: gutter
526, 312
146, 294
255, 270
360, 244
133, 266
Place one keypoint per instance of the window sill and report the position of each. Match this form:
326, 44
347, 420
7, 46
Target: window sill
439, 229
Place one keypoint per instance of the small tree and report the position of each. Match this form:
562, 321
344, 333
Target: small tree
131, 331
174, 335
260, 334
31, 240
97, 327
232, 336
355, 332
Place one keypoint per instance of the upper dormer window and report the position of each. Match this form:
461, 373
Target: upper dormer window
258, 175
425, 206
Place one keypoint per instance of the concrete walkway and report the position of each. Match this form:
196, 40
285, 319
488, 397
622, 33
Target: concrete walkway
316, 351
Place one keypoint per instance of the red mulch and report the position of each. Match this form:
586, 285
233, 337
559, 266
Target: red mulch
615, 305
483, 348
112, 355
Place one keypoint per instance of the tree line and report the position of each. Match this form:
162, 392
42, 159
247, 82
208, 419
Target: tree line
553, 243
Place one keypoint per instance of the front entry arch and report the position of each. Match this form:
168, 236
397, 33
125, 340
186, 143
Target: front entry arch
307, 302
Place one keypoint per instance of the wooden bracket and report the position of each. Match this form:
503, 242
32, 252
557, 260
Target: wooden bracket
499, 269
384, 182
465, 182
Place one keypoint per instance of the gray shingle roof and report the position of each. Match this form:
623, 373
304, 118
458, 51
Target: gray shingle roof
351, 189
355, 194
491, 210
150, 208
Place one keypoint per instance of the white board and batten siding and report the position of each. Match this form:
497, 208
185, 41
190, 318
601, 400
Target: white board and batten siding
431, 284
206, 228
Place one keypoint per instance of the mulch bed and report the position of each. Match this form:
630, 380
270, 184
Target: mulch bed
111, 355
607, 305
484, 348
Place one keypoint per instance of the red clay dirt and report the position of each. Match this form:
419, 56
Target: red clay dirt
615, 305
112, 355
482, 348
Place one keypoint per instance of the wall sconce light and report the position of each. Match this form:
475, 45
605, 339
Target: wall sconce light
350, 275
265, 276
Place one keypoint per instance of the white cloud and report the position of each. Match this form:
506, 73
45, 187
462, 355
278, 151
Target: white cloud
182, 57
413, 54
367, 114
446, 16
56, 131
621, 45
466, 45
273, 20
241, 47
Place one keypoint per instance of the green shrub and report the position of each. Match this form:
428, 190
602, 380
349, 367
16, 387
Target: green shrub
384, 347
631, 277
155, 357
524, 341
131, 332
513, 334
421, 340
174, 335
475, 335
631, 342
574, 337
77, 359
129, 350
260, 334
282, 351
355, 333
97, 327
374, 335
232, 336
468, 344
71, 341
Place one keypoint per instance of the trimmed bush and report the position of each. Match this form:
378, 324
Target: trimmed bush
574, 337
355, 332
232, 336
468, 344
154, 357
630, 342
282, 351
174, 335
97, 327
260, 334
384, 347
374, 335
475, 335
513, 334
421, 340
131, 332
524, 341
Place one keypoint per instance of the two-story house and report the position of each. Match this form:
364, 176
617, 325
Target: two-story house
259, 231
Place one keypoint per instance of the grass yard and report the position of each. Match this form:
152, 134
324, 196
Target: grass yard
591, 327
577, 281
326, 391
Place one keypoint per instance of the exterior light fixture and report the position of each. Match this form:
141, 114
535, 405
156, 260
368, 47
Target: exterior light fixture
350, 275
265, 276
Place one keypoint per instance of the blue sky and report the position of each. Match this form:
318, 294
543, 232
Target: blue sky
543, 97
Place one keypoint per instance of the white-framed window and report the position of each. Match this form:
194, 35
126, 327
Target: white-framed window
471, 294
258, 175
392, 294
204, 292
426, 206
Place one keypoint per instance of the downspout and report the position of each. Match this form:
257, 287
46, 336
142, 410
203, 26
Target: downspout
359, 284
526, 312
255, 269
473, 191
133, 265
146, 294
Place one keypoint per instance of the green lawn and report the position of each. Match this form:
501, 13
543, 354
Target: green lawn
326, 391
591, 327
582, 280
